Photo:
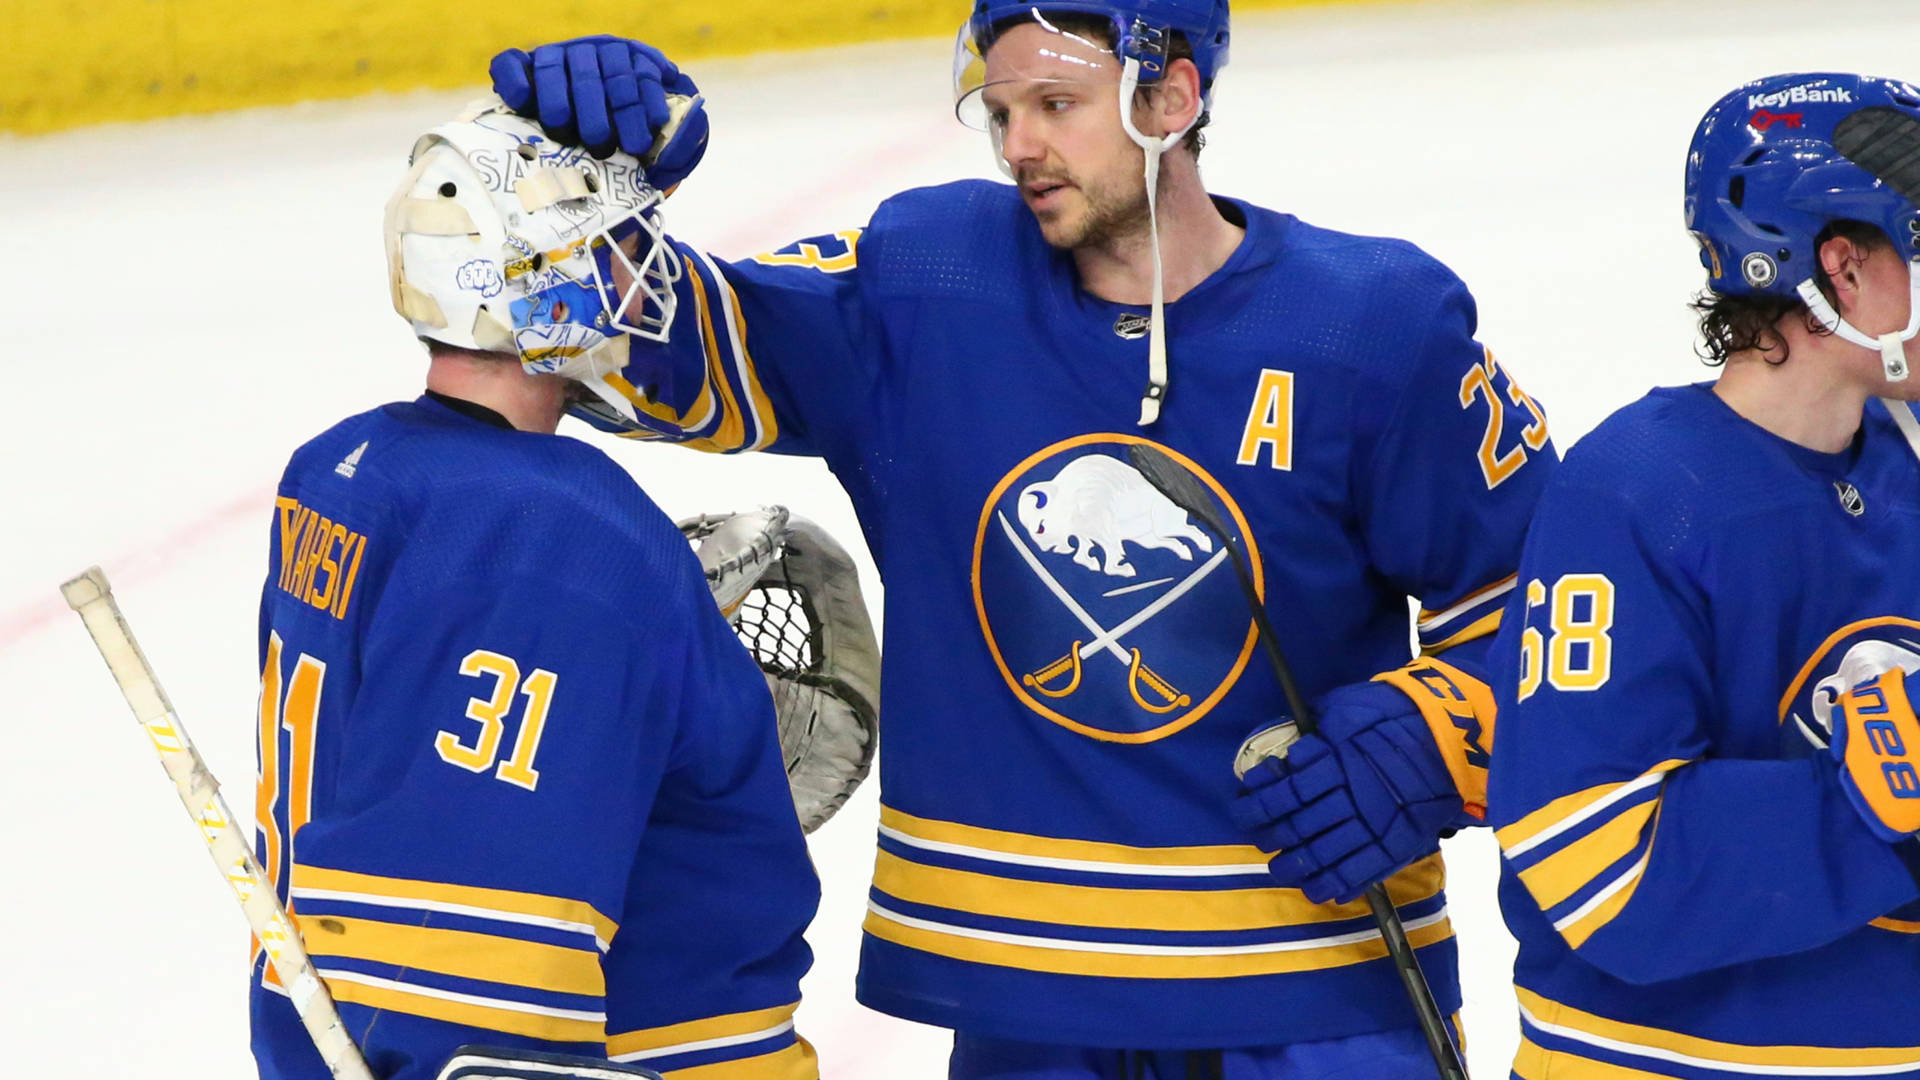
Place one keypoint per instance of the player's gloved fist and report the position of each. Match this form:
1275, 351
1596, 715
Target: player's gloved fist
607, 93
1367, 795
1876, 740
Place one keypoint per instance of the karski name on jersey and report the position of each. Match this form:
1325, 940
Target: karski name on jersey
319, 557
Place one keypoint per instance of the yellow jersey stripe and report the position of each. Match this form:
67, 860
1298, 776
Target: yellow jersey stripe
701, 1034
796, 1062
462, 953
1898, 926
660, 410
511, 1017
1429, 620
1132, 909
1599, 910
759, 406
1062, 956
1660, 1044
504, 905
1021, 848
1535, 1063
1478, 628
731, 433
1568, 811
1567, 871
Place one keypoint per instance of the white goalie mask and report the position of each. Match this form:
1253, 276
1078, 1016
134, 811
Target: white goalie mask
501, 240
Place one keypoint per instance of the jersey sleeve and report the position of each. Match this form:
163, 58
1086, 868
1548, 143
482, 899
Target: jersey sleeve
1651, 857
1452, 478
723, 883
765, 353
1445, 492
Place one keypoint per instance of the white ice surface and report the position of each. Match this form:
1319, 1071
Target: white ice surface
189, 300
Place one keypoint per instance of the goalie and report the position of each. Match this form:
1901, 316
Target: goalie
518, 782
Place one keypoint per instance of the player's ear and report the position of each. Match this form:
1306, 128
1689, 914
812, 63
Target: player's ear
1841, 259
1179, 102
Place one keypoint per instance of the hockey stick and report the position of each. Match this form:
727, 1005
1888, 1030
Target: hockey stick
91, 596
1179, 484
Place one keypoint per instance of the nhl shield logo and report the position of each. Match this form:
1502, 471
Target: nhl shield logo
1107, 610
1850, 499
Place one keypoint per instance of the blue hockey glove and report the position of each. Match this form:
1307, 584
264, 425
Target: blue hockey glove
1876, 740
607, 93
1367, 795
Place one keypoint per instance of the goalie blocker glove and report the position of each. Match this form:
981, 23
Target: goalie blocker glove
793, 596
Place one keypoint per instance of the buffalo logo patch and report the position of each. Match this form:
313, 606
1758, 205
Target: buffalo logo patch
1106, 608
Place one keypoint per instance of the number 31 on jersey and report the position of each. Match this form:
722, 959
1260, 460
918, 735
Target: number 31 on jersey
290, 702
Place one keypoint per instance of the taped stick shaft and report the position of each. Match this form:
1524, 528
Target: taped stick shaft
92, 598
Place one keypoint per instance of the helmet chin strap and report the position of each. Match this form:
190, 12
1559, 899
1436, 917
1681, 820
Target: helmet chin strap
1891, 345
1157, 333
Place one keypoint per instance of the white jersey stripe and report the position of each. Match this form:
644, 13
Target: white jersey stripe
1657, 1053
1085, 865
706, 1044
1132, 949
1428, 624
1640, 783
338, 975
452, 909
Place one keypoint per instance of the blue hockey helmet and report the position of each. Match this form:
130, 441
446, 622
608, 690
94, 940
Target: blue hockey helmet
1776, 161
1142, 31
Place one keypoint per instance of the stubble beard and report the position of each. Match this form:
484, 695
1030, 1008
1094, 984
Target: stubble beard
1108, 214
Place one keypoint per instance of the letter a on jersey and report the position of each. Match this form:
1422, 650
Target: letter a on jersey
1107, 610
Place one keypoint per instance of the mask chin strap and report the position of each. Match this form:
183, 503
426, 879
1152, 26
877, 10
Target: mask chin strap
1891, 346
1157, 334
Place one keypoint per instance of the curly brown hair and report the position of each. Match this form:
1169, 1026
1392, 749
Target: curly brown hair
1734, 324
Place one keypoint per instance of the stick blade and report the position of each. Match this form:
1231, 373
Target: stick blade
1176, 482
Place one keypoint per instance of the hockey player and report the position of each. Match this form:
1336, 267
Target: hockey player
1061, 877
518, 781
1708, 774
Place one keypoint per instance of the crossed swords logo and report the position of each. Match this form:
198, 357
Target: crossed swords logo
1160, 695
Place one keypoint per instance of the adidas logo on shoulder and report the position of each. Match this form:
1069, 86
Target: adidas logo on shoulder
351, 463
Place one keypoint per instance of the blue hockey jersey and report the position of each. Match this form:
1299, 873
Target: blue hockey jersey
1693, 894
518, 782
1069, 666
